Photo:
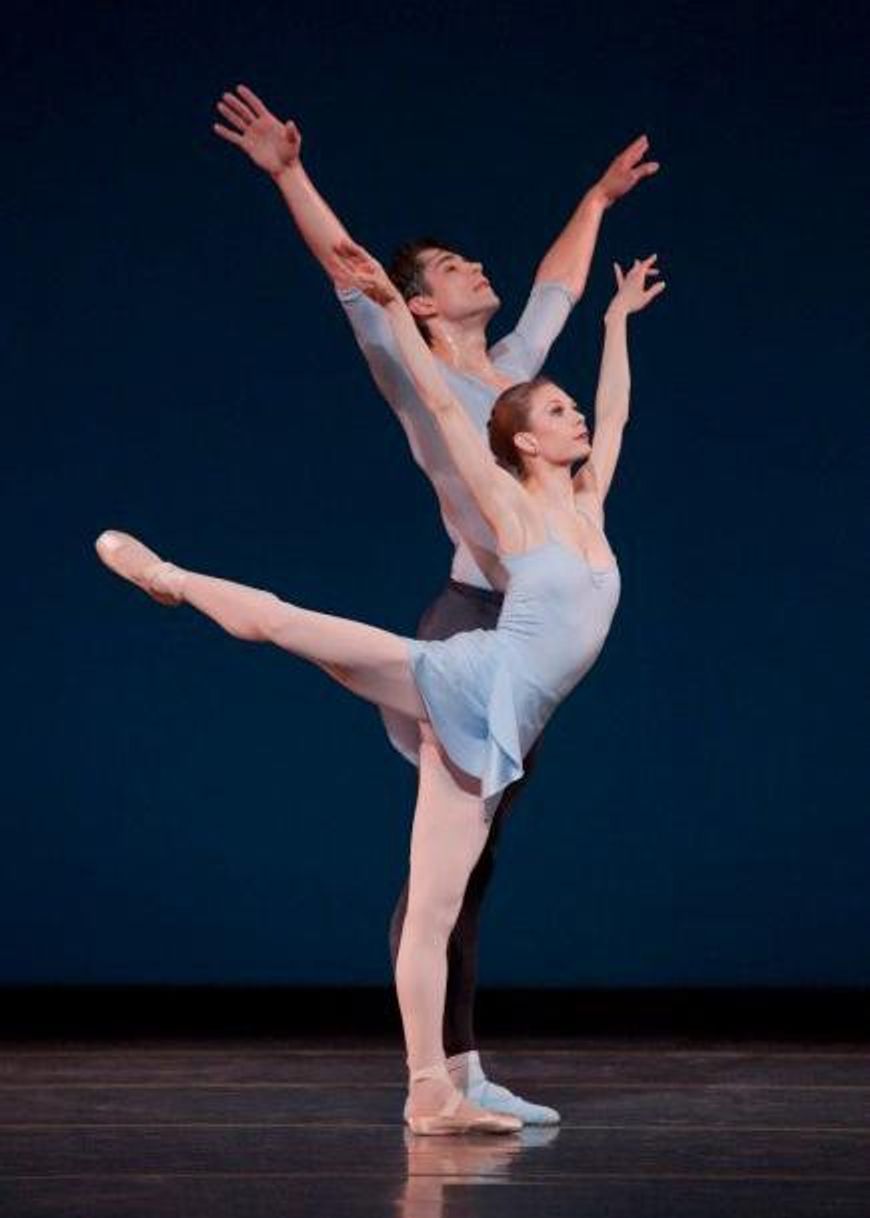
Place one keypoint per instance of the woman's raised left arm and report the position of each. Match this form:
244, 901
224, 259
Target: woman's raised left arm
614, 378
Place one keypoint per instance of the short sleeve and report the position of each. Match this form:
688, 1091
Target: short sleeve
375, 338
521, 354
369, 322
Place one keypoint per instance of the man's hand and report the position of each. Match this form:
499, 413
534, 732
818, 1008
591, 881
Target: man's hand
272, 145
352, 266
632, 294
625, 171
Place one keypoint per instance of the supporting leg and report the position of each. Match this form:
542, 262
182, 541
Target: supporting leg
448, 836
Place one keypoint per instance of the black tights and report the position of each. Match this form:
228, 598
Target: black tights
460, 607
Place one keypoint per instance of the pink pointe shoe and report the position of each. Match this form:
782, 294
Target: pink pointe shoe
457, 1115
133, 561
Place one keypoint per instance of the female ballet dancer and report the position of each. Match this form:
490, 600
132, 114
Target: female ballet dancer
482, 697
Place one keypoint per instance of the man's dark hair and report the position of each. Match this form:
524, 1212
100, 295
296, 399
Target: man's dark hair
406, 271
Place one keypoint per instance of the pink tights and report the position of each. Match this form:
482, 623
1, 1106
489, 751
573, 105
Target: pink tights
449, 829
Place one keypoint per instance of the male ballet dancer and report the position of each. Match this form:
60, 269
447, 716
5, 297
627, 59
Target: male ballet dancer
452, 302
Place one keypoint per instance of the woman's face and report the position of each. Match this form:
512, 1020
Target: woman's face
557, 427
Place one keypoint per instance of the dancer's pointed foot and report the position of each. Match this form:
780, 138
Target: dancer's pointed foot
436, 1107
133, 561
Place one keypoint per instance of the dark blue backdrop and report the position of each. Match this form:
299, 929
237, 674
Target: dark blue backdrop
182, 808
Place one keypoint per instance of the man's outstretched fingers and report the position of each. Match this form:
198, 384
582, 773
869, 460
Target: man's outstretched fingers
232, 137
232, 117
238, 107
251, 98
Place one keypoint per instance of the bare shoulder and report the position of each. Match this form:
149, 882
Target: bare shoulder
587, 493
520, 522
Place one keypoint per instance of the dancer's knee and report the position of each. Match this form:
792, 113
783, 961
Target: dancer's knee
433, 917
276, 621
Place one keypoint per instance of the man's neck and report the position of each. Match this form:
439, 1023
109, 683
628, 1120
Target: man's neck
462, 345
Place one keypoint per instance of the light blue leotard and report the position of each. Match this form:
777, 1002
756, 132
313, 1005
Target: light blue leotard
489, 693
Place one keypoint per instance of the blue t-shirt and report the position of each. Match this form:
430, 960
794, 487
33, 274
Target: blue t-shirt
519, 355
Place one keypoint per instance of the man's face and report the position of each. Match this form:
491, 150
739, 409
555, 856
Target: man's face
458, 288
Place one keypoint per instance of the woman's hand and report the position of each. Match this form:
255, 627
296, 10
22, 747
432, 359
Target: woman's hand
272, 145
354, 267
632, 293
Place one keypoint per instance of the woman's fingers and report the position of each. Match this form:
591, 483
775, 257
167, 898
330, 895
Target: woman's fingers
355, 264
352, 253
361, 258
636, 149
640, 268
346, 247
358, 265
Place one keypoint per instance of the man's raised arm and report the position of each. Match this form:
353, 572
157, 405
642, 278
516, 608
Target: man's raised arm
562, 274
275, 146
568, 260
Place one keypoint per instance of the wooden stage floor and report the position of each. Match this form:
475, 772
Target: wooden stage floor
271, 1128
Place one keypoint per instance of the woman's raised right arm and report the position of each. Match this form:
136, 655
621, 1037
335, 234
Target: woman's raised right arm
496, 493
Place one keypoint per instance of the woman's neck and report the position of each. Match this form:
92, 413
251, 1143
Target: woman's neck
550, 485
